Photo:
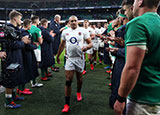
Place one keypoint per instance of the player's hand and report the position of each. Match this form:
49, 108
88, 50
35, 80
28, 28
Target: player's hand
106, 41
84, 48
3, 55
114, 50
58, 60
52, 34
26, 40
119, 107
112, 33
36, 43
110, 38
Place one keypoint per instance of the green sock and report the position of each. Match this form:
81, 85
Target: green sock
43, 71
53, 65
8, 98
20, 87
34, 81
13, 94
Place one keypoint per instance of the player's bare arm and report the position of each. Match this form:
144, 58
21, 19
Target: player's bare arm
40, 40
61, 48
130, 74
88, 46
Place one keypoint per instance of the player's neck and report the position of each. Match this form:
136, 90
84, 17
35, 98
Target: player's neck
85, 27
56, 21
34, 24
13, 23
145, 10
125, 21
74, 28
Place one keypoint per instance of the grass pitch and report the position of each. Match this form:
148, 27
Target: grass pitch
49, 100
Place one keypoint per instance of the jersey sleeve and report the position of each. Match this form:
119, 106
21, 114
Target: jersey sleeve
136, 34
92, 31
97, 31
39, 33
63, 36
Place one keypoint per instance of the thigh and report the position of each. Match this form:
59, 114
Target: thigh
134, 108
79, 75
69, 65
69, 75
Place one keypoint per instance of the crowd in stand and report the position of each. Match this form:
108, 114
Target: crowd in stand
58, 4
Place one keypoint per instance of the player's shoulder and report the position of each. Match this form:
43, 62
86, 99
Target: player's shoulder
34, 28
90, 28
67, 30
138, 20
96, 29
81, 29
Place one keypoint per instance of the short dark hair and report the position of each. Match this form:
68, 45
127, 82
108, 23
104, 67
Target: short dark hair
66, 22
14, 14
26, 22
151, 3
43, 21
127, 2
34, 18
85, 20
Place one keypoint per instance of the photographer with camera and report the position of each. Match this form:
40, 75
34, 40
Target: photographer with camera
12, 66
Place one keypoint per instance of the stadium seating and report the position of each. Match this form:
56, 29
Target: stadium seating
60, 4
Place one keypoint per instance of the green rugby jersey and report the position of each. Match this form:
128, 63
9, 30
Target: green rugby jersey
36, 33
145, 30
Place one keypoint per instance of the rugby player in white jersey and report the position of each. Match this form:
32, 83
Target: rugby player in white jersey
74, 38
101, 43
90, 51
95, 42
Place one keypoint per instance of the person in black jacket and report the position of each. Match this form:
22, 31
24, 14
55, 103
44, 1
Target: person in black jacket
14, 55
119, 52
29, 59
46, 51
55, 31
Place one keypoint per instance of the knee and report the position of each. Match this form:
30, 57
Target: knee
68, 83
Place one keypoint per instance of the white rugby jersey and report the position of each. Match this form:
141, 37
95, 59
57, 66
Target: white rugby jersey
97, 31
75, 41
101, 30
90, 30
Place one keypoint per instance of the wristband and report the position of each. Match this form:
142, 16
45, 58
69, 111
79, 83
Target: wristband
121, 99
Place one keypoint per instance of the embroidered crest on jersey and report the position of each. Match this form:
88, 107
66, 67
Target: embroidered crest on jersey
80, 33
73, 40
67, 34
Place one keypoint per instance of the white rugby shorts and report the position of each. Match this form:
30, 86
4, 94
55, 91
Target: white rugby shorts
37, 53
76, 63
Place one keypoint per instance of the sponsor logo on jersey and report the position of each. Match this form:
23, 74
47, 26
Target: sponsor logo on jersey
73, 40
